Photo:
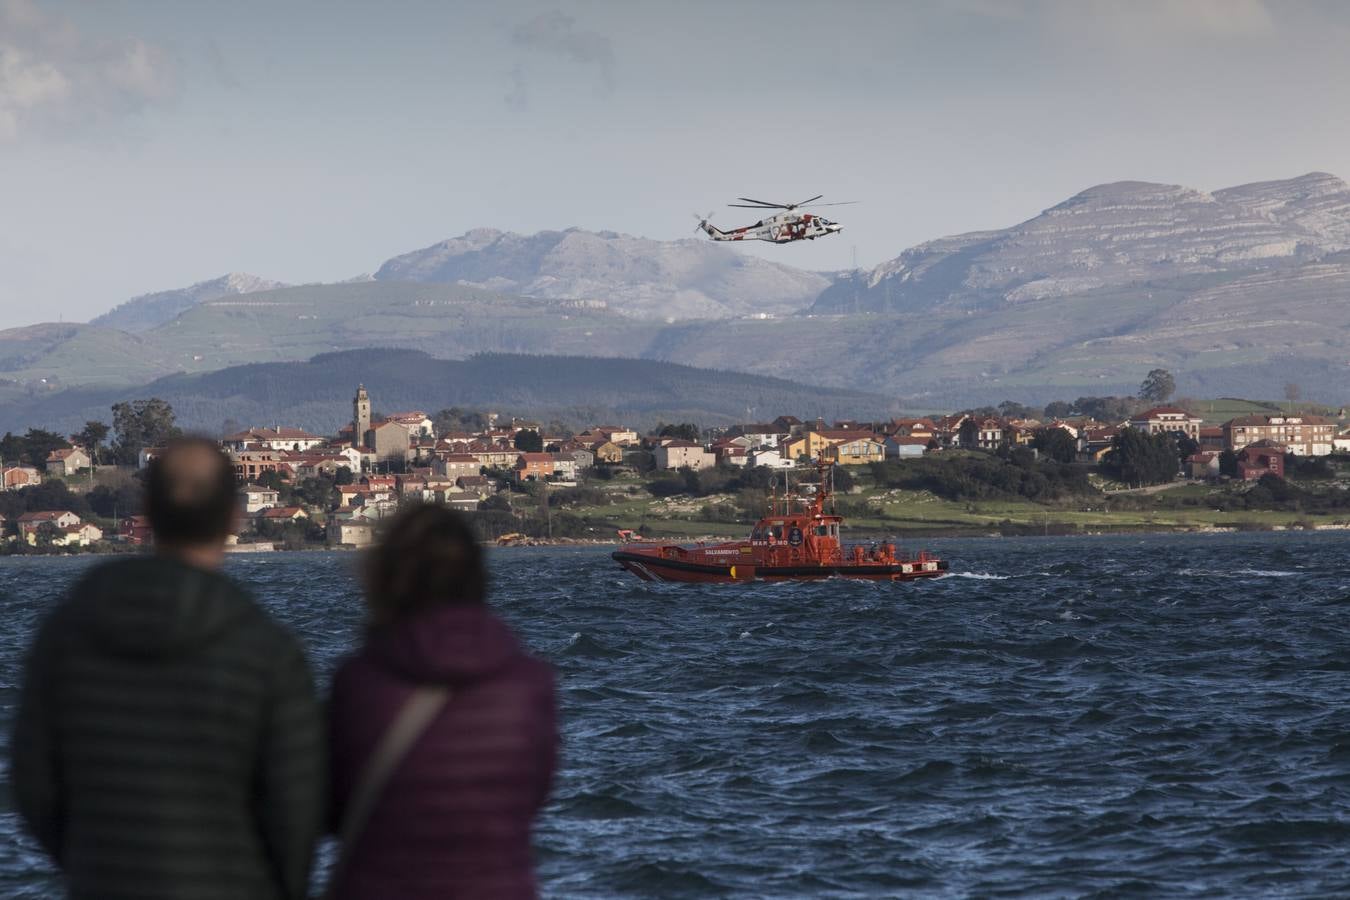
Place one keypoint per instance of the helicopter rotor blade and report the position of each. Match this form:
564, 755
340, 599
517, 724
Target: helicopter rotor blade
837, 203
765, 203
804, 202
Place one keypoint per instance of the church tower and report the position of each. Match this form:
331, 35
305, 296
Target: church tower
360, 416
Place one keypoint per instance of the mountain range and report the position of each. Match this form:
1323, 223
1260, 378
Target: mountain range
1236, 291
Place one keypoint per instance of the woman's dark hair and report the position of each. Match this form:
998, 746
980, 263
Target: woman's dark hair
190, 492
428, 557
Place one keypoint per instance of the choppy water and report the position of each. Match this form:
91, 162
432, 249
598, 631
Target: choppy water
1066, 717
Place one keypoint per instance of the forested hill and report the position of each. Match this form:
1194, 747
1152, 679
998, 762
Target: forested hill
316, 395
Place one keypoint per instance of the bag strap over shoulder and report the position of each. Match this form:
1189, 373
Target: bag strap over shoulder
417, 712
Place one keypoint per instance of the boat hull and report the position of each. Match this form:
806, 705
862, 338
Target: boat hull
652, 567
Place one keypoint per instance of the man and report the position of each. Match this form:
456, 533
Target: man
167, 743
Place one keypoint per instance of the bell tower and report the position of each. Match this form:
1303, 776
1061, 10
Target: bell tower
360, 416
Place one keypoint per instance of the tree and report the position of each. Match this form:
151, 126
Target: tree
1228, 464
91, 438
968, 435
685, 431
139, 424
1058, 409
1137, 457
116, 502
1157, 386
46, 535
1056, 444
1107, 409
527, 440
343, 476
1010, 410
38, 443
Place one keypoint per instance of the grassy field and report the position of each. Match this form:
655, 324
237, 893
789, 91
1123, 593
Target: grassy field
919, 513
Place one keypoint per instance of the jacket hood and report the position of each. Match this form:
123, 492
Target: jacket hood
445, 645
153, 606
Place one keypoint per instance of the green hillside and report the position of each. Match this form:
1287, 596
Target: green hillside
582, 390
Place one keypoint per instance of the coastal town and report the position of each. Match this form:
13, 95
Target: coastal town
523, 479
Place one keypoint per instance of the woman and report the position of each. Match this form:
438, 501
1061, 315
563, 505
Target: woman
452, 817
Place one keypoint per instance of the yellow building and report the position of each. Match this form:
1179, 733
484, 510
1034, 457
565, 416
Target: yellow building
857, 451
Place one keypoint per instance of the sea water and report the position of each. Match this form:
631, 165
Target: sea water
1146, 715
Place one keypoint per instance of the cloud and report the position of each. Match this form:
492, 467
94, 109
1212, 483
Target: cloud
556, 33
53, 75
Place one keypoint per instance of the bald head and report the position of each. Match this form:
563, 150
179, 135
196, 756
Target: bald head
190, 494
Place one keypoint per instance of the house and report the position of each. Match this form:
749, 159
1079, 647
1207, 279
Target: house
479, 484
389, 440
760, 435
905, 447
788, 425
582, 456
730, 453
135, 530
281, 514
1261, 458
255, 498
769, 458
910, 428
1095, 443
1302, 435
624, 437
464, 501
59, 519
990, 433
67, 461
1204, 464
534, 466
418, 423
81, 535
276, 438
857, 451
807, 445
677, 454
1341, 443
1212, 437
564, 466
350, 533
19, 477
456, 465
249, 465
350, 495
1168, 420
608, 453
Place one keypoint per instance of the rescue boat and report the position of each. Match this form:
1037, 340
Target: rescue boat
797, 540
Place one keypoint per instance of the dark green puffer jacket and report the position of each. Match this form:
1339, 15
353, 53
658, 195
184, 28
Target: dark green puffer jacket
167, 743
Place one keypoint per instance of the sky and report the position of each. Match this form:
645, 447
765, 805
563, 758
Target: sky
149, 145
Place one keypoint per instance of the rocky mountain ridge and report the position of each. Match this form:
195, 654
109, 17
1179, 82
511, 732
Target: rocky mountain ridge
633, 276
1108, 237
149, 310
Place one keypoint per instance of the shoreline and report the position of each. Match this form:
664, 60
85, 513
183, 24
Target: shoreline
1059, 530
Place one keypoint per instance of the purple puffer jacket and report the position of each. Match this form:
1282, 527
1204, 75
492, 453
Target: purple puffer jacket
454, 819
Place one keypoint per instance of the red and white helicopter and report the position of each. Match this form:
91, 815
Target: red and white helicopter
779, 228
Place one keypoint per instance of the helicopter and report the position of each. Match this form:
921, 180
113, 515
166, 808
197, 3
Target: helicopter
778, 228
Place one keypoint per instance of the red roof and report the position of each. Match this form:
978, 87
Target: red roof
536, 457
45, 515
281, 512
